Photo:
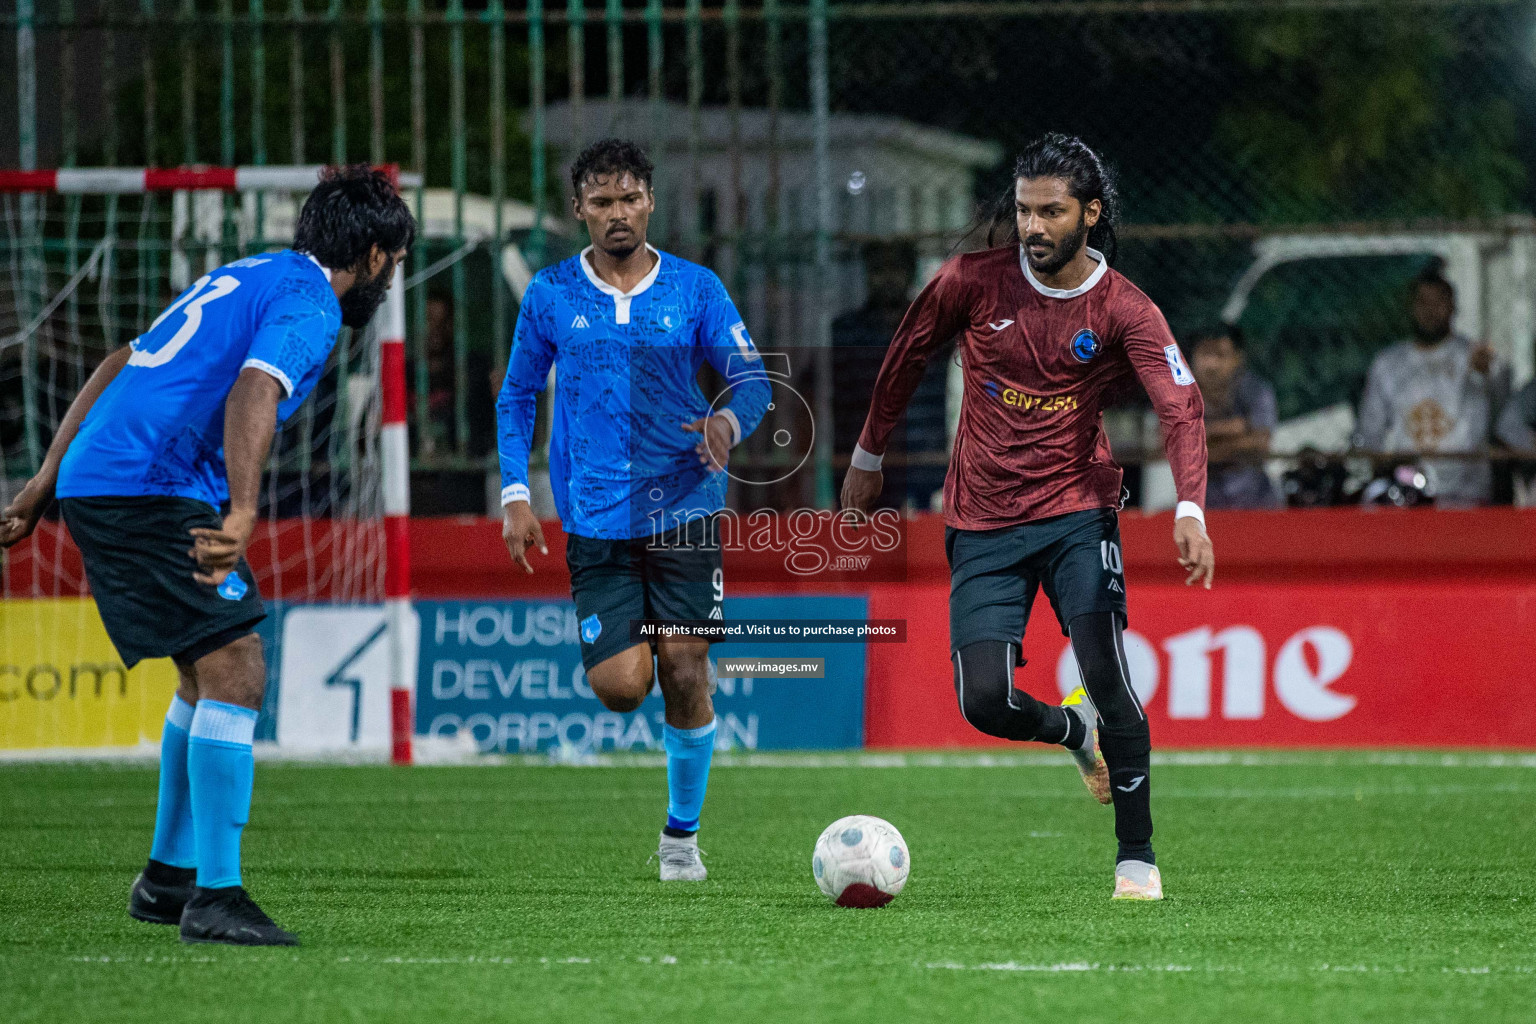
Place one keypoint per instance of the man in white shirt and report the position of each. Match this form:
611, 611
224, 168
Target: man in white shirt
1436, 392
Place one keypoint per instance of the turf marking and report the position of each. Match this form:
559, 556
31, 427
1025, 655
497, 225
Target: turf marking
996, 966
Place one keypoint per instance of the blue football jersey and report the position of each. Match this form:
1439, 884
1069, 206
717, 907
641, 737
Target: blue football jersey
626, 368
158, 428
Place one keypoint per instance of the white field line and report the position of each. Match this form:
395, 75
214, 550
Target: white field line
756, 964
505, 796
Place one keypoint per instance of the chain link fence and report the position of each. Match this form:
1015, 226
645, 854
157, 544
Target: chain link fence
1288, 165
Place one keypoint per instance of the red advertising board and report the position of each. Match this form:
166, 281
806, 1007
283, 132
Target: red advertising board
1432, 663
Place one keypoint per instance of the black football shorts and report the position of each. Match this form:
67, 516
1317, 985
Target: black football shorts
616, 582
136, 561
995, 574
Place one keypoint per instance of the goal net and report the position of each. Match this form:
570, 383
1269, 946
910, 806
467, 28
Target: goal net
86, 264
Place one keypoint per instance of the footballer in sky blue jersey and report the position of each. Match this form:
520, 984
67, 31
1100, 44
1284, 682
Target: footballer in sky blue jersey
637, 459
626, 367
167, 429
158, 428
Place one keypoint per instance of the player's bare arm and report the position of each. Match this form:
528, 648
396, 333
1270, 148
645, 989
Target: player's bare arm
1196, 555
21, 516
250, 420
520, 530
860, 489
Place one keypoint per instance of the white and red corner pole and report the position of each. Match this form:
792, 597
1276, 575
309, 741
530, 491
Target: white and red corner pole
397, 469
397, 512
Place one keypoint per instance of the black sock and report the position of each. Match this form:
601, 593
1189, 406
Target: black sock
1076, 729
1130, 784
990, 702
160, 873
677, 833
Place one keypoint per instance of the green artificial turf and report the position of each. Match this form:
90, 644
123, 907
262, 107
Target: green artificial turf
1313, 887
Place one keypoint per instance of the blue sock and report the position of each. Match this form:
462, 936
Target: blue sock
689, 752
173, 814
221, 770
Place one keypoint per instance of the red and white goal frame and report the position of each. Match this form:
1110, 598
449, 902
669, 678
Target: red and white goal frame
394, 447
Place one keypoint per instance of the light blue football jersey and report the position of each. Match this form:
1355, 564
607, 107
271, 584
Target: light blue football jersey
626, 368
158, 428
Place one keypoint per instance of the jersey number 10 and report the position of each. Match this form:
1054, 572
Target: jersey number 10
191, 305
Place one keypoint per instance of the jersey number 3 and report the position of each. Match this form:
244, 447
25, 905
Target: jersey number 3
191, 306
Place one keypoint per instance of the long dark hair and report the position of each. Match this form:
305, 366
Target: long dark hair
1054, 155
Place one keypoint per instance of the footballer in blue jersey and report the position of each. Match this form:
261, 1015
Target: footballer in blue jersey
637, 459
168, 430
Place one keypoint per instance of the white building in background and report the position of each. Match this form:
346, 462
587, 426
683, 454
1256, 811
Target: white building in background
891, 177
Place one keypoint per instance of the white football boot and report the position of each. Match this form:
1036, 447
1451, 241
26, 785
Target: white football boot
1137, 880
1090, 763
680, 859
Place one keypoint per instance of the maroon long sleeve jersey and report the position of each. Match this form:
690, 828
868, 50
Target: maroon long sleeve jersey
1039, 364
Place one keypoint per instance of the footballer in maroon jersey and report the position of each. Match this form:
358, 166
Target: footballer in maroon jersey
1048, 333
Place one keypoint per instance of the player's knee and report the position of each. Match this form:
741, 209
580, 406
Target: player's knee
1096, 645
235, 673
684, 667
622, 682
982, 685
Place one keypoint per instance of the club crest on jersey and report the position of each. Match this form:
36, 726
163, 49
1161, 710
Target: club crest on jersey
670, 318
1085, 345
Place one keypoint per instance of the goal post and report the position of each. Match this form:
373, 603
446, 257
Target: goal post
88, 258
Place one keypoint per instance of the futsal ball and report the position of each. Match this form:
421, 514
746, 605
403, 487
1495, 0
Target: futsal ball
860, 861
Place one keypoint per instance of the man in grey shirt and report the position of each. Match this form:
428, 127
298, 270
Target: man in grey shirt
1240, 415
1517, 424
1436, 392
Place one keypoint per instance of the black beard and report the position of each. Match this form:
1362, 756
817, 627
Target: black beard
621, 253
1430, 337
1066, 250
363, 299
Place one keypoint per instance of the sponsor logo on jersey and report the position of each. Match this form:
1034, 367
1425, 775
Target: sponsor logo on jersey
1017, 399
591, 628
233, 588
1181, 375
1085, 345
580, 323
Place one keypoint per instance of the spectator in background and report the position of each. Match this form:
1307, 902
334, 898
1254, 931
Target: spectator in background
1517, 423
1436, 392
1517, 429
1240, 415
859, 342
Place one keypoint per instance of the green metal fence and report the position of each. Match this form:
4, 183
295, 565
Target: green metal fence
788, 136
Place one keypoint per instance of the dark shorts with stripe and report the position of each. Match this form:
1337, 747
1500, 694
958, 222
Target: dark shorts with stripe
615, 582
136, 561
995, 574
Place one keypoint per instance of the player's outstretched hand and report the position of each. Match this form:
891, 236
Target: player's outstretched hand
218, 551
21, 516
714, 447
521, 531
1195, 552
860, 489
